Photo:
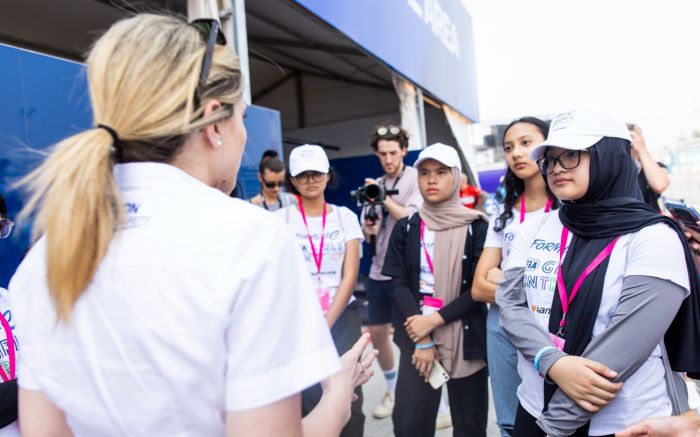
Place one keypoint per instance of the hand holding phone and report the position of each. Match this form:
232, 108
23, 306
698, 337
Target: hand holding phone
438, 376
684, 214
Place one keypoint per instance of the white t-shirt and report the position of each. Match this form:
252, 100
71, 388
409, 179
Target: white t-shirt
200, 306
11, 430
342, 225
643, 253
504, 238
427, 279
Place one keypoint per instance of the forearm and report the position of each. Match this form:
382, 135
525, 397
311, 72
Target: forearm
657, 176
396, 210
483, 290
624, 346
328, 418
458, 308
342, 297
520, 327
405, 301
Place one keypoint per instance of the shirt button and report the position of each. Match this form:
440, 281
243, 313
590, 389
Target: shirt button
464, 282
464, 256
466, 328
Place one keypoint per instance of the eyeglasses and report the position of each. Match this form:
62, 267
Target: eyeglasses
6, 226
309, 176
384, 130
272, 185
567, 159
211, 32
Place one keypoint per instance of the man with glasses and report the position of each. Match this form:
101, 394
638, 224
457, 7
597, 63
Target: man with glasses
8, 360
271, 175
390, 145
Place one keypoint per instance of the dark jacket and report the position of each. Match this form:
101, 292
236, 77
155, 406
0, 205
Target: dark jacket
402, 263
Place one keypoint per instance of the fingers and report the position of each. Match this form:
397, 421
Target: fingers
640, 429
368, 359
601, 369
360, 345
409, 320
588, 406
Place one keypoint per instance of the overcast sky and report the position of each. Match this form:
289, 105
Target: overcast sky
638, 60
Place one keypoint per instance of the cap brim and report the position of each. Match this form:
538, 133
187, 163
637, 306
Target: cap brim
571, 142
448, 164
297, 171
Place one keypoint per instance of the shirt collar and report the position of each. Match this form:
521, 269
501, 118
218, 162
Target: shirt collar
153, 175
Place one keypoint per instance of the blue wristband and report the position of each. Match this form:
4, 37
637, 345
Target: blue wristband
539, 356
425, 346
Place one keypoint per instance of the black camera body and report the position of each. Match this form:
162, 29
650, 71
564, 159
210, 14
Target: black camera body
371, 195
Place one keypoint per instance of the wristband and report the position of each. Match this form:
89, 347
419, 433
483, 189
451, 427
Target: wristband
425, 346
539, 356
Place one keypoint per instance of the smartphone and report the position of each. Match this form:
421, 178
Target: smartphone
438, 376
685, 214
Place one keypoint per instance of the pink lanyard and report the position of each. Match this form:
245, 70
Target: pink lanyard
11, 350
547, 207
422, 240
560, 277
318, 258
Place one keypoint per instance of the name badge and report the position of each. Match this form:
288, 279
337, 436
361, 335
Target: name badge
431, 304
558, 341
324, 297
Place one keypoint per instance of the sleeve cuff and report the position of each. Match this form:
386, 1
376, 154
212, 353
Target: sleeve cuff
547, 360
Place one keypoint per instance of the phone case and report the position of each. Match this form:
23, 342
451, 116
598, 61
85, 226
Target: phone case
438, 376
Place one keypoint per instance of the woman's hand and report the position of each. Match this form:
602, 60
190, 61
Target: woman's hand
494, 275
585, 381
687, 425
423, 361
355, 372
418, 327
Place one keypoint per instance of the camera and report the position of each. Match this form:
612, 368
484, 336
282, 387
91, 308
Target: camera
371, 195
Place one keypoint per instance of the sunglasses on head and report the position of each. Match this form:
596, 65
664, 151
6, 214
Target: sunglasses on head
6, 226
388, 130
210, 30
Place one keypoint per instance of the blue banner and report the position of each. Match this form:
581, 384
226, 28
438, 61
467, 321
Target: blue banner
429, 42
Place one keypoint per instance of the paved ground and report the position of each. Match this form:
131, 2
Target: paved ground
373, 392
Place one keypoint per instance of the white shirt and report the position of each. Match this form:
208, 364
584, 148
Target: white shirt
504, 238
200, 306
342, 225
427, 278
643, 253
12, 429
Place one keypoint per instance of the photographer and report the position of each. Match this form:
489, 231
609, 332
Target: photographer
390, 145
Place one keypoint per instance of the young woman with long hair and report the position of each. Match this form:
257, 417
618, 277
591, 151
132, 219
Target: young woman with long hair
142, 306
591, 294
329, 236
431, 260
526, 198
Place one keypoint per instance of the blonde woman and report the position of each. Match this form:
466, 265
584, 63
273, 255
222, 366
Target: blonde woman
141, 303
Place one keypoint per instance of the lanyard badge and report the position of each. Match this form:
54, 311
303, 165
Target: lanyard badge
323, 294
565, 299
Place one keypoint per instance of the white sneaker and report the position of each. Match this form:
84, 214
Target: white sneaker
443, 420
385, 407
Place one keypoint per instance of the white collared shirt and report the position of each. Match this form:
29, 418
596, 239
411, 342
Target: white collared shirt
201, 305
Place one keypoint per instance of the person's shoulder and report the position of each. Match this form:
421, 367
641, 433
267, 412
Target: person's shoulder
659, 235
345, 211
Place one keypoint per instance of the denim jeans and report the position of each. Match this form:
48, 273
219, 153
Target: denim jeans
503, 360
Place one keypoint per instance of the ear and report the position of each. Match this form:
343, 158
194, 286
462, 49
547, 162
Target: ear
404, 152
212, 132
260, 178
294, 182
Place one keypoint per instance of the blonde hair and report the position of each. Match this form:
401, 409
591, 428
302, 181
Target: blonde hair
142, 74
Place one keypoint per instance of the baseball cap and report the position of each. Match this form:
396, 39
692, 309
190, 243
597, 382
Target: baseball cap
308, 157
580, 129
442, 153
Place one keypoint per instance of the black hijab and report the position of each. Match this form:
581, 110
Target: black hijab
611, 207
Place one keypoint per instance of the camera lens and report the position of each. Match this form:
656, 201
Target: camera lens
372, 191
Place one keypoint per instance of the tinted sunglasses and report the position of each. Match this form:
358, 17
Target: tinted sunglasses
386, 130
6, 226
272, 185
567, 159
210, 30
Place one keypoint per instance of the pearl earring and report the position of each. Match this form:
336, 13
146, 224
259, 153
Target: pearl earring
218, 142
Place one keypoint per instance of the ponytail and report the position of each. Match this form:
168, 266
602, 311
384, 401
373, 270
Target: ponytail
78, 210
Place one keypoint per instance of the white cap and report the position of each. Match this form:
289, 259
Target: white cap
308, 157
580, 129
442, 153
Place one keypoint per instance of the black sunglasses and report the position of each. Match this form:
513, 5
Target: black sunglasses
6, 226
272, 185
567, 159
210, 30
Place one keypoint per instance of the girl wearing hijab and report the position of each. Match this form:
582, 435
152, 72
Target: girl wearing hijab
431, 260
526, 198
591, 294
